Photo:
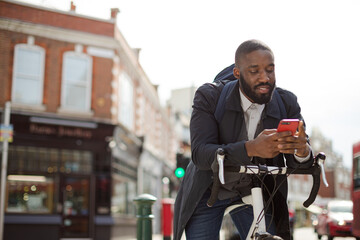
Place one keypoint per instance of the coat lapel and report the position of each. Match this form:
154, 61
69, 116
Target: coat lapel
233, 104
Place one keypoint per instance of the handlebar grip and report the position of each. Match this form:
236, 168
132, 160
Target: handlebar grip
214, 191
315, 187
216, 180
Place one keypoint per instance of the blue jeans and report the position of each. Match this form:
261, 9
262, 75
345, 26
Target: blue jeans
205, 223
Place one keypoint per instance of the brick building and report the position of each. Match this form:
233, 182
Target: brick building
89, 131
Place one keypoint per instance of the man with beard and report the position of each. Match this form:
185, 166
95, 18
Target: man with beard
247, 133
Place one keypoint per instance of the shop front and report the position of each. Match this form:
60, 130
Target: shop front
58, 179
126, 150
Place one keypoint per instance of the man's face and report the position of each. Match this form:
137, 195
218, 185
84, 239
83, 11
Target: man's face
256, 72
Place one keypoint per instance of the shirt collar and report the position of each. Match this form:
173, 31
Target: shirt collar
245, 103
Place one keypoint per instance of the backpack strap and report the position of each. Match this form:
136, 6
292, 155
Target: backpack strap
220, 106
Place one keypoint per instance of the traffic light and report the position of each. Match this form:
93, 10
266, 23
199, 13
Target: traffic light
179, 172
181, 164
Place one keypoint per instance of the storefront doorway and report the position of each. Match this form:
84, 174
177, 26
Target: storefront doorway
75, 192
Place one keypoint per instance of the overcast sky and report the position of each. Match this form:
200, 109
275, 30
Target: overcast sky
187, 42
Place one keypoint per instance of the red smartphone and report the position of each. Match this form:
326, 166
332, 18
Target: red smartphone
288, 125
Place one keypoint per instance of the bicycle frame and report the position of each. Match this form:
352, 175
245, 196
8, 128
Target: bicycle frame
260, 227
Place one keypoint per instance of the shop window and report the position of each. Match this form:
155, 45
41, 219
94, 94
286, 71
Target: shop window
29, 194
123, 196
49, 160
28, 74
32, 176
126, 104
150, 183
76, 82
73, 161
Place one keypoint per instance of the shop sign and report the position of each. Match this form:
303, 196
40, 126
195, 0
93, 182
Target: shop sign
60, 131
6, 133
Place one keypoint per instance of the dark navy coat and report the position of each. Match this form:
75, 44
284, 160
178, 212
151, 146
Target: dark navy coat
207, 136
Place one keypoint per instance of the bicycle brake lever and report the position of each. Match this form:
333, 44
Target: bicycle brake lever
220, 155
321, 164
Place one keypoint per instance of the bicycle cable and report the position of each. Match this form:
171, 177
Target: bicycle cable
270, 193
263, 186
276, 188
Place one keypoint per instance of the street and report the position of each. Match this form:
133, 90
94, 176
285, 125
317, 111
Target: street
309, 234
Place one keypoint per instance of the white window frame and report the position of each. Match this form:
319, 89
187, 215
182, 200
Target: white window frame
87, 84
15, 83
128, 120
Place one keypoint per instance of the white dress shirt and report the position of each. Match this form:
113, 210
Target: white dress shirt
252, 114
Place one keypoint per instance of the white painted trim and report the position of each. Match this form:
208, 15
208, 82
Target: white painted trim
24, 106
74, 113
101, 52
31, 40
64, 122
79, 48
125, 83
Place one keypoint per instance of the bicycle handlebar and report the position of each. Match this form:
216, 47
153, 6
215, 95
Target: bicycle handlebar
314, 170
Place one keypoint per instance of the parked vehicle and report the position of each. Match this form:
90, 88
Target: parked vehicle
335, 220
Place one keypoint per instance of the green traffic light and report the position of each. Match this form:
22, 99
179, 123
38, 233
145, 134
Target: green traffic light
179, 172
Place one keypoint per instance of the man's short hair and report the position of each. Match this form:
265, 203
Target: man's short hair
248, 47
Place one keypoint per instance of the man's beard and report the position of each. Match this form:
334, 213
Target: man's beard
250, 93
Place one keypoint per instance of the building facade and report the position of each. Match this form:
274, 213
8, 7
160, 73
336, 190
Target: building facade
89, 131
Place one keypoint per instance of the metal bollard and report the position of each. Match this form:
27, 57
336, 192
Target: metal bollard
144, 216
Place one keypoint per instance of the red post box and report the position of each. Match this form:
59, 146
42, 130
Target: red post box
167, 217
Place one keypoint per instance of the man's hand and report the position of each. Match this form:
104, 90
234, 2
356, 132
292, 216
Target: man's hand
266, 144
295, 144
270, 143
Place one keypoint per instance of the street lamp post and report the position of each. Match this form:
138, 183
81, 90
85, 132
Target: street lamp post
5, 140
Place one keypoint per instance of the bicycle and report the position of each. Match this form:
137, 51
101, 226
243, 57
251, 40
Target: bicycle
258, 228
